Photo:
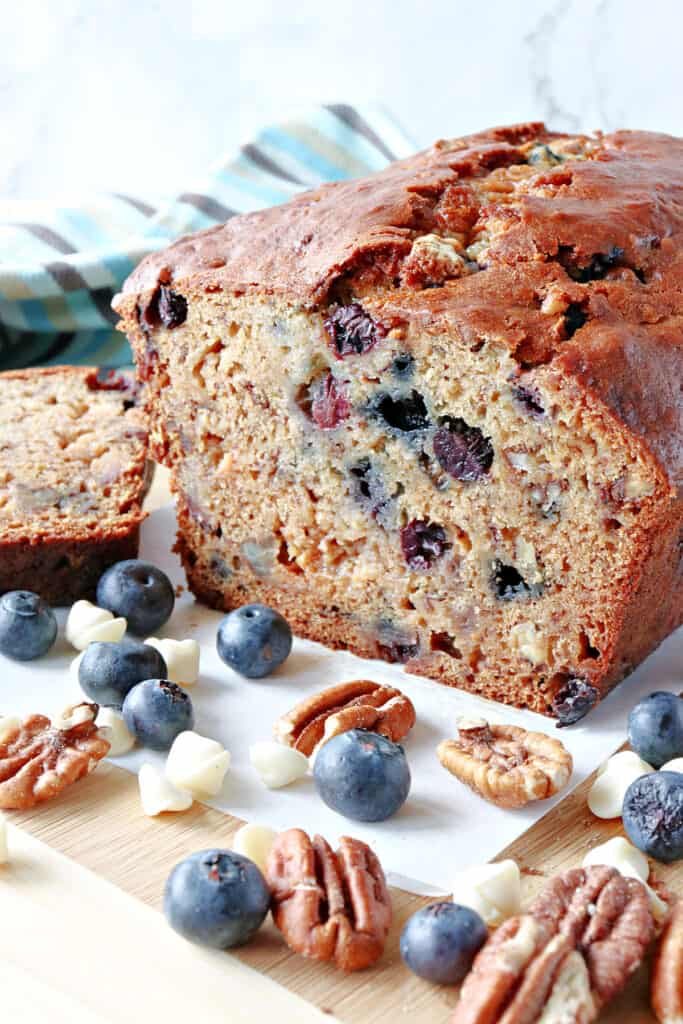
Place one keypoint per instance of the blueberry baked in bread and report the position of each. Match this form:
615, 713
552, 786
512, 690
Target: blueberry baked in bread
73, 475
436, 416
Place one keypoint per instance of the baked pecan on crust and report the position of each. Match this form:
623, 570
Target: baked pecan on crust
667, 975
39, 758
329, 906
573, 952
360, 704
504, 764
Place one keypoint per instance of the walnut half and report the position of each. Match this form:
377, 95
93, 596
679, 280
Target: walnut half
329, 906
667, 975
504, 764
38, 758
572, 953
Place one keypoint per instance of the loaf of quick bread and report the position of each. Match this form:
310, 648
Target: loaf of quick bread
73, 475
436, 416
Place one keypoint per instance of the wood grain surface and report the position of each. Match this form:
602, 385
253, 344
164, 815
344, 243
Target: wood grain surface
99, 824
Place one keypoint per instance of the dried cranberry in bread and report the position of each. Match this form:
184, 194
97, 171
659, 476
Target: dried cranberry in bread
436, 415
73, 475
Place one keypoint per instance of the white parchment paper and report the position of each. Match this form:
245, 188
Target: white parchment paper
442, 826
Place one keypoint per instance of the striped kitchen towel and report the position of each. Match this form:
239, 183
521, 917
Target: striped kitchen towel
60, 267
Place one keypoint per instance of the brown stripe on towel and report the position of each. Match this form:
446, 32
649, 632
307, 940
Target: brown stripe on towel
350, 117
205, 204
254, 154
50, 237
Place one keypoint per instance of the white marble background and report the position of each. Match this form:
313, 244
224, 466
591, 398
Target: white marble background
139, 96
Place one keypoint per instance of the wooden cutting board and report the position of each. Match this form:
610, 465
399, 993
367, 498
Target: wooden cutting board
99, 826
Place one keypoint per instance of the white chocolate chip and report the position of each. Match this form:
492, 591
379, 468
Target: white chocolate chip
620, 854
117, 733
277, 764
530, 643
181, 657
673, 766
73, 715
87, 623
254, 842
4, 851
493, 890
158, 795
606, 795
197, 764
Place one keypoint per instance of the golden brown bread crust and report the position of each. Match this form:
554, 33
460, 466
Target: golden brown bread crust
73, 478
597, 231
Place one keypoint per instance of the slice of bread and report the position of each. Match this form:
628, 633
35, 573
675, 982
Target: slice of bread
436, 415
73, 475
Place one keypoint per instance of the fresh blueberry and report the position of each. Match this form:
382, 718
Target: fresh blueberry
440, 942
28, 627
254, 640
139, 592
653, 815
655, 728
156, 711
216, 898
362, 775
108, 671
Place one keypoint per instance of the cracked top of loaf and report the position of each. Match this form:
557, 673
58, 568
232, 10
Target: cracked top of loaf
517, 234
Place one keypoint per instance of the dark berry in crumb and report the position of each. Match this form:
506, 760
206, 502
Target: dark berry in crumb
368, 486
596, 268
105, 379
573, 701
156, 711
463, 451
529, 400
329, 404
254, 640
352, 331
655, 728
439, 942
216, 898
509, 584
405, 413
393, 644
422, 543
166, 308
653, 815
28, 627
139, 592
574, 319
362, 775
109, 671
402, 366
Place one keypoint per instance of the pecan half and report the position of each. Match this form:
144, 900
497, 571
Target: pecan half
667, 977
573, 952
360, 704
504, 764
329, 906
38, 759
